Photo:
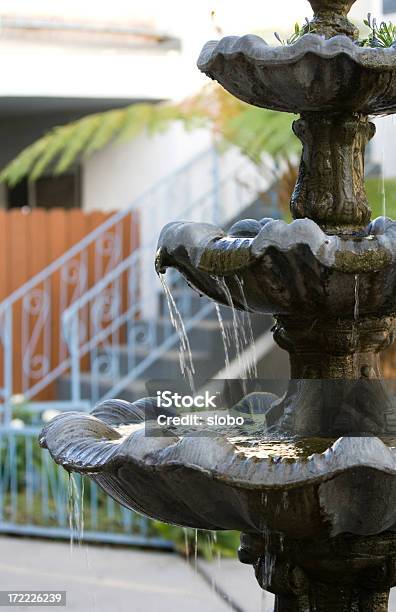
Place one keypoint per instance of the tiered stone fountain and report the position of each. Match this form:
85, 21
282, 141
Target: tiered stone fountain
313, 487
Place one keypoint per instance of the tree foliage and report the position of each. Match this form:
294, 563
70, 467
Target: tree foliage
251, 129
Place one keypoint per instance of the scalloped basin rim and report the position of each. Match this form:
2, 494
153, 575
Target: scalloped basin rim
345, 254
81, 443
255, 49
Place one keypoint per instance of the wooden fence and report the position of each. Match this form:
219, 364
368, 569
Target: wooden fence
31, 241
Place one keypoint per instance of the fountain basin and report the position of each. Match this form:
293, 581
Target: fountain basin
345, 486
286, 268
315, 74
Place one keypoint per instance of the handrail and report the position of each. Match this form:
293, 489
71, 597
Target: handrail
102, 346
124, 264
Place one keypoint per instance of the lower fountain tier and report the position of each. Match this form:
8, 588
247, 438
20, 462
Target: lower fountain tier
303, 489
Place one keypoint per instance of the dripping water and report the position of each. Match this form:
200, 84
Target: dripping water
75, 510
70, 506
76, 519
196, 551
185, 355
238, 328
210, 556
250, 336
269, 561
225, 338
186, 544
264, 503
218, 551
356, 308
223, 286
355, 333
382, 186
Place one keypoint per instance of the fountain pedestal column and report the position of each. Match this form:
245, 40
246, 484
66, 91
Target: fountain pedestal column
330, 186
341, 574
331, 18
334, 349
336, 387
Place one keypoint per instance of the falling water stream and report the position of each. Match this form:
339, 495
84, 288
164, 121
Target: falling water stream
186, 544
196, 550
383, 191
226, 342
76, 521
242, 339
250, 336
186, 360
355, 331
76, 510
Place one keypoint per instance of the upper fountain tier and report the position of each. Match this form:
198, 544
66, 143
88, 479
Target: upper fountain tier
324, 71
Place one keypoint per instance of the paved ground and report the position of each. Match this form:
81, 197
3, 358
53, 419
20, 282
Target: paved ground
107, 579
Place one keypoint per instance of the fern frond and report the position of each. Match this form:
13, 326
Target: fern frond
105, 132
77, 138
251, 129
22, 165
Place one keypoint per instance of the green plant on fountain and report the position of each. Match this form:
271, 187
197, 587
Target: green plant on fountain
381, 34
311, 484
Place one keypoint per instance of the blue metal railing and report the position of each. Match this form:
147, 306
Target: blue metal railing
31, 307
107, 312
109, 335
36, 499
126, 341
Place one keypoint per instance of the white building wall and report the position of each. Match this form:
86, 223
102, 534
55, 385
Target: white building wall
383, 146
119, 177
115, 176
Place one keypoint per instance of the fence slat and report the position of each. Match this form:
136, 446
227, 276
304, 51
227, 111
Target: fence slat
4, 252
18, 261
39, 240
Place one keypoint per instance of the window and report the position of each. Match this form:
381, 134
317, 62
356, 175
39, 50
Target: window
389, 6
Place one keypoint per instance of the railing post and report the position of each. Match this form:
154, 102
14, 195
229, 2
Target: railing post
8, 363
74, 344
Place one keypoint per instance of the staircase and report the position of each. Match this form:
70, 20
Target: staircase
115, 331
155, 349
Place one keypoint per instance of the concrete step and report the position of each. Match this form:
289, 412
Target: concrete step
166, 366
207, 349
191, 305
134, 391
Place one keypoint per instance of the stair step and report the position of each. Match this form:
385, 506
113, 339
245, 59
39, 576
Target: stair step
207, 350
171, 355
134, 390
193, 304
207, 324
167, 366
